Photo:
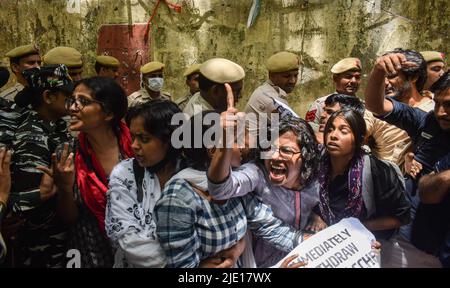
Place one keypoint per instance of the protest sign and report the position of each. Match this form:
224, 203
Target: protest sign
346, 244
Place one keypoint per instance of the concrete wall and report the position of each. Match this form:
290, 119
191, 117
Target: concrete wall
320, 32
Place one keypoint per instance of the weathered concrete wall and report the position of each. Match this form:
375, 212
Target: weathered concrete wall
320, 32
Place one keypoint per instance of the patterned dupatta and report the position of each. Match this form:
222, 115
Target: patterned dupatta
355, 205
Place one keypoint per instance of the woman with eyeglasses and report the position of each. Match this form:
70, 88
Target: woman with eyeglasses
285, 181
192, 226
40, 236
96, 108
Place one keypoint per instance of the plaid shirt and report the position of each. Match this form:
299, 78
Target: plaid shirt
191, 228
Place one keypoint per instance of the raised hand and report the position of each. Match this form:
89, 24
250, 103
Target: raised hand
62, 170
391, 63
229, 120
412, 167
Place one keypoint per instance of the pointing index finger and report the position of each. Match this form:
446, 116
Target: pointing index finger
230, 96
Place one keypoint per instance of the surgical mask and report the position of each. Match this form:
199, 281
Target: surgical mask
155, 84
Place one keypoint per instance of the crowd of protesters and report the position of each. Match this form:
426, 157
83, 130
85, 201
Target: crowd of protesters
85, 167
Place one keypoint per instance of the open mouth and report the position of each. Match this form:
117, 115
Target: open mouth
277, 172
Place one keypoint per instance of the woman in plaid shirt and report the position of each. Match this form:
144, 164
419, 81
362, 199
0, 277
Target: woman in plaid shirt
191, 226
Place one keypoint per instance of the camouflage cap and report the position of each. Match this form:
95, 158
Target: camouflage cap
345, 65
220, 70
108, 61
282, 62
50, 76
432, 56
152, 67
64, 55
195, 68
22, 51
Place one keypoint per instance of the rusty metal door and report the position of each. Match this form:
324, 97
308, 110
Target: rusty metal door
127, 44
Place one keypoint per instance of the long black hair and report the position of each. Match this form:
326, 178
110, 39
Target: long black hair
356, 122
110, 93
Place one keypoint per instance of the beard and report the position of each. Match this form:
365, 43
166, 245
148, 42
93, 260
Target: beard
401, 92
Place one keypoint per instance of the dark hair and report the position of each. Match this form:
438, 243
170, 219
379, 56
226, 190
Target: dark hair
110, 93
442, 84
356, 122
157, 115
197, 158
4, 76
204, 83
97, 67
33, 96
345, 101
420, 71
307, 142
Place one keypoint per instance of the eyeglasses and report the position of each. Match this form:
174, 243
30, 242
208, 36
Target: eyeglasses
80, 102
285, 152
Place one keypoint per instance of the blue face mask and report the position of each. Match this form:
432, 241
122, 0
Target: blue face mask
155, 84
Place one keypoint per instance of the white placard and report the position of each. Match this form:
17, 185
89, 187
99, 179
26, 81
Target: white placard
346, 244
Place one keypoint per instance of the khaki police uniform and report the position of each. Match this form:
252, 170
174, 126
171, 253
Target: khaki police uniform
142, 95
217, 70
261, 100
107, 61
316, 108
182, 101
18, 52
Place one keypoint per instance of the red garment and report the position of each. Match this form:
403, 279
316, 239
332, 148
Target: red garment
91, 178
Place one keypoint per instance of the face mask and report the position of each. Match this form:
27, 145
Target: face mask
155, 84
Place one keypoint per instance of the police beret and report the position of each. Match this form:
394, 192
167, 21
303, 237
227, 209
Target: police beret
107, 61
345, 65
64, 55
431, 56
23, 51
151, 67
195, 68
220, 70
282, 62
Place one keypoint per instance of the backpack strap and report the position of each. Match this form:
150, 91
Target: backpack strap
138, 177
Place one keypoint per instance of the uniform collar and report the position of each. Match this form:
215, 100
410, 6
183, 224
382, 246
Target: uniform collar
280, 91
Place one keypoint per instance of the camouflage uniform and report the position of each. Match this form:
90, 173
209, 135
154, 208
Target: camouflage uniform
10, 117
41, 241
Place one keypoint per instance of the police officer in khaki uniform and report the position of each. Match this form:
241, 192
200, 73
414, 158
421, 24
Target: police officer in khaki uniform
435, 66
346, 78
191, 75
20, 59
107, 66
68, 56
283, 74
212, 95
152, 82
